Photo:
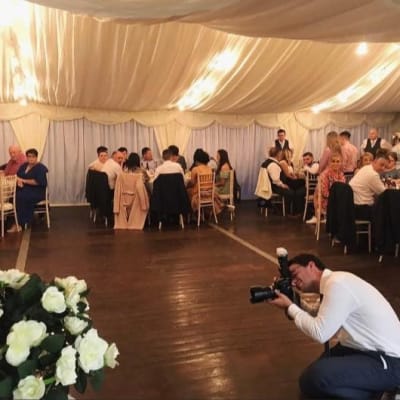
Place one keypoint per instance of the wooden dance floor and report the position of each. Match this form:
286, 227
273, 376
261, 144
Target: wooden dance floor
176, 302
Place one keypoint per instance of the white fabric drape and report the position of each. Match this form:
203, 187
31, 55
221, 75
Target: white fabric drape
339, 20
71, 146
7, 138
172, 133
31, 131
76, 61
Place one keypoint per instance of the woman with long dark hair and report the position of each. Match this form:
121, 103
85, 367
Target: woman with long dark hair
222, 174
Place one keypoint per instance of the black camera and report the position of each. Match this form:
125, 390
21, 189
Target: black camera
259, 294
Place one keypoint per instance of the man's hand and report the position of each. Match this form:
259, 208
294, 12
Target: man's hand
282, 301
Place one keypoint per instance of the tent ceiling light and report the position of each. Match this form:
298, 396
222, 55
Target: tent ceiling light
362, 49
224, 61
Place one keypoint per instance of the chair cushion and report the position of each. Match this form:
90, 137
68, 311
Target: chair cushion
7, 207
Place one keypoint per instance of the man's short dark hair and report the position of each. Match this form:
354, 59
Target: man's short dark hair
304, 258
145, 150
174, 150
166, 154
308, 154
101, 149
123, 149
274, 151
382, 153
346, 134
281, 131
32, 152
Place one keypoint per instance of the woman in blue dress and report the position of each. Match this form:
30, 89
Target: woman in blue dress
31, 188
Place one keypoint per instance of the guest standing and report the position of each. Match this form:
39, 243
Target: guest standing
31, 188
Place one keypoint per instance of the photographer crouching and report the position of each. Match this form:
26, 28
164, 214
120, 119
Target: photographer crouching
366, 361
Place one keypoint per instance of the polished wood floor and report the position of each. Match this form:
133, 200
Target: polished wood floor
176, 302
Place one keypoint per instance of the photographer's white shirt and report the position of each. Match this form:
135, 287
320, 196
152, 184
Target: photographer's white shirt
351, 306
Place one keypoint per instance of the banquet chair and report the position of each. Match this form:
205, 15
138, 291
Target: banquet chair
43, 207
318, 211
229, 199
169, 198
206, 195
7, 199
311, 184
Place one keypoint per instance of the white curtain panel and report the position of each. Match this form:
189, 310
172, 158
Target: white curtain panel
71, 146
7, 138
247, 149
316, 142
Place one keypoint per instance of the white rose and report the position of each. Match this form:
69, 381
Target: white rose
53, 300
91, 349
75, 325
17, 353
71, 283
29, 388
31, 332
72, 299
111, 355
66, 366
14, 278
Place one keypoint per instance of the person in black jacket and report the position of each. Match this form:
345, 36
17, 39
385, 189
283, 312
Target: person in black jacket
281, 142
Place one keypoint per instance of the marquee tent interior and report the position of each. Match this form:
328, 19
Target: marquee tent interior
197, 74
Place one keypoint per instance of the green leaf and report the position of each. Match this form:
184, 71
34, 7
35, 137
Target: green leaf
81, 381
6, 387
96, 379
32, 290
57, 393
53, 343
48, 360
27, 368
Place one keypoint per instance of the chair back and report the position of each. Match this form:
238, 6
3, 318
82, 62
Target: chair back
169, 196
311, 183
230, 197
7, 199
43, 206
205, 186
340, 217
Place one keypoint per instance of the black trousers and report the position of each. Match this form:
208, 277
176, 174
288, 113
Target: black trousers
294, 198
350, 374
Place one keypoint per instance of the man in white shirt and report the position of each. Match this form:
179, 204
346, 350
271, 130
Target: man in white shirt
147, 162
366, 361
102, 157
374, 143
367, 184
112, 167
168, 166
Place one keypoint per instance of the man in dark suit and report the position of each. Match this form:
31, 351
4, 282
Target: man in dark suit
282, 143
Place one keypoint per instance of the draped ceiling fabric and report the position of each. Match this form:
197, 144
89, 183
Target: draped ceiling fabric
121, 59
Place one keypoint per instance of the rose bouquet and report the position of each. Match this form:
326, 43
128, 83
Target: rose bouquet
47, 341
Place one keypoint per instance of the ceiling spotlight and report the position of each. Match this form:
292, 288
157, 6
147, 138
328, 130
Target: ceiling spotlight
362, 49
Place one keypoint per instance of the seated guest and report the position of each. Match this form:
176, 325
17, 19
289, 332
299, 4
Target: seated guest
349, 153
168, 166
112, 167
332, 174
294, 198
196, 153
222, 174
391, 171
148, 163
396, 144
201, 160
177, 157
288, 169
367, 184
364, 160
31, 188
131, 201
124, 152
17, 158
102, 157
309, 165
281, 142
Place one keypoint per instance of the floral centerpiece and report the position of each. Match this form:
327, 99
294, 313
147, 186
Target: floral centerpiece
47, 341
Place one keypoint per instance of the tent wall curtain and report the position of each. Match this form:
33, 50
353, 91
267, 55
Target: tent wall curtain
71, 146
